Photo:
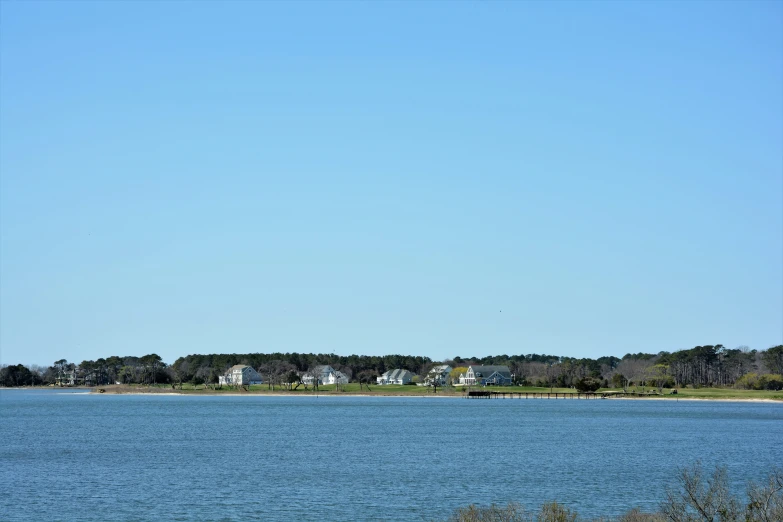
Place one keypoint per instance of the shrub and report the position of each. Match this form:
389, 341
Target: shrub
698, 498
554, 512
635, 515
588, 384
708, 498
747, 381
513, 512
770, 381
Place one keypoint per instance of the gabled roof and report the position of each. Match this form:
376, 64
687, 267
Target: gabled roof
240, 368
441, 368
321, 370
486, 371
393, 375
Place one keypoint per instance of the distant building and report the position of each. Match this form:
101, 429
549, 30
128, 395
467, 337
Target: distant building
486, 375
66, 379
438, 375
395, 377
326, 375
240, 374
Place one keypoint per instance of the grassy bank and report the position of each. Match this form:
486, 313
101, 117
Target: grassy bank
423, 391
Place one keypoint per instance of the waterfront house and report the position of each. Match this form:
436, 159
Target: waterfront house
66, 378
326, 375
397, 376
240, 374
438, 375
487, 375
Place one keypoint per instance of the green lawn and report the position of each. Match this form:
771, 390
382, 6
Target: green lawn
682, 393
706, 393
391, 389
726, 393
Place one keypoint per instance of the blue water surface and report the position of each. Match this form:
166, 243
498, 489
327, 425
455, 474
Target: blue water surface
68, 455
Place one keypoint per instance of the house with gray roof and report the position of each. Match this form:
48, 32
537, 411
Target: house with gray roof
487, 376
326, 375
240, 374
438, 375
397, 376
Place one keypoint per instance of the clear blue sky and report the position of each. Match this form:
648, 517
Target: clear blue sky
441, 179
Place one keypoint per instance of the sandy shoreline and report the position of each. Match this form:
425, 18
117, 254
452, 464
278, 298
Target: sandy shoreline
210, 393
391, 396
381, 394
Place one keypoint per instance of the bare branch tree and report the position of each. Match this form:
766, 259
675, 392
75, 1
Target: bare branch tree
765, 501
701, 499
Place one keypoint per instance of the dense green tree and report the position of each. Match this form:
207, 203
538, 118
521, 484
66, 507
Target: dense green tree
699, 366
773, 359
152, 364
292, 378
113, 365
587, 384
18, 375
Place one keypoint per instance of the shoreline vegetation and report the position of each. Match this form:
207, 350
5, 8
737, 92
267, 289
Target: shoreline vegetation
353, 390
695, 497
703, 372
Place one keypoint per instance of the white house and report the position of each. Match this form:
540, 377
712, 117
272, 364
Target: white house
326, 375
240, 374
395, 377
486, 375
438, 374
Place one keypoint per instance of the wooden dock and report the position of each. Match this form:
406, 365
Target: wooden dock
553, 395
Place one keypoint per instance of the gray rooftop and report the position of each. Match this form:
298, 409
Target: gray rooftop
393, 375
486, 371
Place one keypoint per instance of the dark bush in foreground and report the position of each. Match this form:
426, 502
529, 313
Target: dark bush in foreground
637, 516
702, 498
698, 498
513, 512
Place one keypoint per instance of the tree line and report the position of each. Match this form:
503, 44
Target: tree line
708, 365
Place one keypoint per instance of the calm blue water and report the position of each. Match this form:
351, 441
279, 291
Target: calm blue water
96, 457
